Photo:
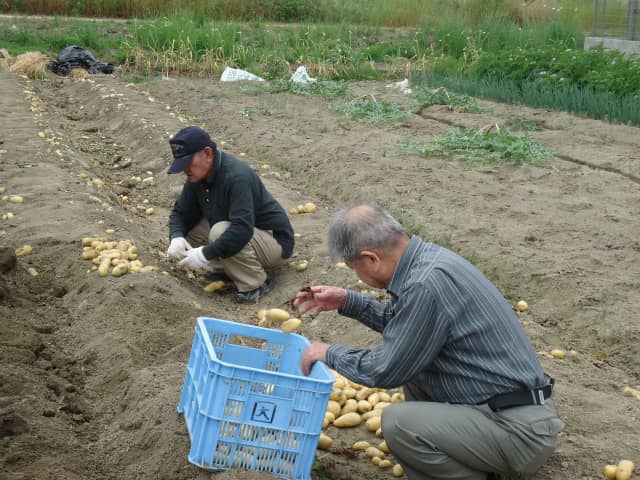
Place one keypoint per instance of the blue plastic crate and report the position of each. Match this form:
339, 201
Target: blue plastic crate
246, 402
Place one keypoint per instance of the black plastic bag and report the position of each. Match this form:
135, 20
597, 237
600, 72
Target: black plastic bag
74, 56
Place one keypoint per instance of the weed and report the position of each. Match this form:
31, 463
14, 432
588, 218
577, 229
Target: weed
369, 110
455, 102
482, 146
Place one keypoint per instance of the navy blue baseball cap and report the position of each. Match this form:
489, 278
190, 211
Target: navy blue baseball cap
185, 144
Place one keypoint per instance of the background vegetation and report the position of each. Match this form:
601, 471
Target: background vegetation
529, 52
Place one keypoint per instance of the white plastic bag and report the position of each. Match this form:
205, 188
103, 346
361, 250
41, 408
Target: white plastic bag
402, 86
236, 74
301, 76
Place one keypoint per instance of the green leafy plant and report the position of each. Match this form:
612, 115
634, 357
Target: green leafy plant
369, 110
454, 101
482, 146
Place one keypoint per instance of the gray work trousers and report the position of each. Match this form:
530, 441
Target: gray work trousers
247, 267
434, 440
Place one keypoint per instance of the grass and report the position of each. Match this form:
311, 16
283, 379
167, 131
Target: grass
603, 105
516, 53
472, 147
392, 13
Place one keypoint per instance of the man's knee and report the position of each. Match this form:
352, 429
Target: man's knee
217, 230
390, 424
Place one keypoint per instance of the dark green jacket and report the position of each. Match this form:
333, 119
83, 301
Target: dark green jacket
232, 192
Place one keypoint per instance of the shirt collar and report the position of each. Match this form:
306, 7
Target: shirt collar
402, 269
214, 170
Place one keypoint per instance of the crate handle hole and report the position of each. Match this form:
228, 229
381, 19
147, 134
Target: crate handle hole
251, 342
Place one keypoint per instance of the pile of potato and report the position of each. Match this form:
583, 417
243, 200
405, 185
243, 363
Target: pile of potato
350, 405
117, 257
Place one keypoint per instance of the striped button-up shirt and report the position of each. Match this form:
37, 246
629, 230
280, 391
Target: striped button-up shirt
445, 326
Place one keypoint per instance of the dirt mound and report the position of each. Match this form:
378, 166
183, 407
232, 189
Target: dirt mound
91, 368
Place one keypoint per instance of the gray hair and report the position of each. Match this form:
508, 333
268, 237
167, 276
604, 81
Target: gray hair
363, 227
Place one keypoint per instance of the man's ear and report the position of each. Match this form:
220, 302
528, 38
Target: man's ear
371, 258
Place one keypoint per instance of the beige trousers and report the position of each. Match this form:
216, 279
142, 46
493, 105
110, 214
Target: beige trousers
443, 441
247, 268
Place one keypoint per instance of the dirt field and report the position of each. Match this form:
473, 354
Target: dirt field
91, 368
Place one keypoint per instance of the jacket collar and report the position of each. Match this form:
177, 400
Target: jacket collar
404, 265
217, 163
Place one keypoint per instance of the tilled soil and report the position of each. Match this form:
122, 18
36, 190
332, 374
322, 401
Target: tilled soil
91, 368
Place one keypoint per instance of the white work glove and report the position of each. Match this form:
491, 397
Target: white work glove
194, 259
178, 248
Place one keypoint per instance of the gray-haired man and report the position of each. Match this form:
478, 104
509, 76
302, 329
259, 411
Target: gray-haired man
478, 399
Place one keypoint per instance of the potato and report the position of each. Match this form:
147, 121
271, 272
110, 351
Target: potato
293, 211
24, 251
397, 397
397, 470
382, 446
558, 354
291, 325
371, 413
103, 269
32, 271
340, 382
379, 433
351, 419
522, 306
350, 392
214, 286
135, 266
360, 446
16, 199
149, 211
278, 315
262, 314
350, 406
335, 395
624, 470
373, 398
328, 419
376, 460
610, 471
89, 254
381, 405
364, 406
333, 407
374, 423
301, 266
384, 397
632, 392
385, 464
309, 207
364, 393
374, 452
148, 269
300, 209
324, 442
120, 269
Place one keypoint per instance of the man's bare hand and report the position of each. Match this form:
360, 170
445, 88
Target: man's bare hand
320, 298
316, 352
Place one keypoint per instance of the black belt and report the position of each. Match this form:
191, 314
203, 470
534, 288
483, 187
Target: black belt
535, 396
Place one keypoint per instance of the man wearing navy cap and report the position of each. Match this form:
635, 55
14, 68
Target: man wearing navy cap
225, 220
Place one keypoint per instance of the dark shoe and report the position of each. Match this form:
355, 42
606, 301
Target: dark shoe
215, 276
254, 296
